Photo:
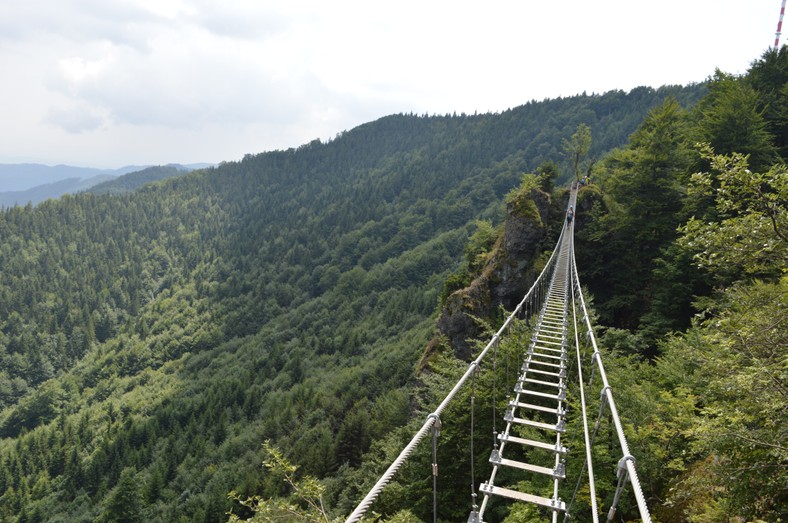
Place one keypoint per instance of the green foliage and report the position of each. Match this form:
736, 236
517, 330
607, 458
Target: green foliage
751, 236
479, 245
521, 200
769, 77
125, 501
547, 173
577, 148
132, 181
150, 340
711, 411
305, 502
644, 192
729, 119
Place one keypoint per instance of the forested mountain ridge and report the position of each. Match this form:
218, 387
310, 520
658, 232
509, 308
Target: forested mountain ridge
158, 337
381, 164
151, 341
57, 189
134, 180
683, 236
115, 182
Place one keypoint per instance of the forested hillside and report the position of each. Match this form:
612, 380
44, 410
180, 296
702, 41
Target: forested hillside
150, 342
683, 238
132, 181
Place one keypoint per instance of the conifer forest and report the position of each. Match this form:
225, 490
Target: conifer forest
233, 343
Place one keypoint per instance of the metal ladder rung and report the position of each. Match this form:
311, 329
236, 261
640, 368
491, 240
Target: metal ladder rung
558, 427
542, 329
540, 382
527, 466
541, 334
556, 411
555, 504
529, 361
562, 357
561, 396
552, 342
560, 449
547, 348
545, 373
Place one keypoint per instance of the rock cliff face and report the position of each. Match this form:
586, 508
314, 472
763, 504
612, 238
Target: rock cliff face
507, 276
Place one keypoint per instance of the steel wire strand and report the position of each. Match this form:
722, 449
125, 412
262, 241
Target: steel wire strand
474, 506
374, 492
561, 264
588, 443
629, 462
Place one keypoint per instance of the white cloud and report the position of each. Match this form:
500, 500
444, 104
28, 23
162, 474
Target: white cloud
145, 81
76, 118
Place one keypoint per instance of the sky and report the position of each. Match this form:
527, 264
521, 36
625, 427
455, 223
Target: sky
108, 83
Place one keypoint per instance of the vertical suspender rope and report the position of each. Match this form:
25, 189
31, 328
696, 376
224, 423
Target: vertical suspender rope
629, 463
494, 396
474, 506
436, 429
589, 461
374, 492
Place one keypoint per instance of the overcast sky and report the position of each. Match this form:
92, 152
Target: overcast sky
106, 83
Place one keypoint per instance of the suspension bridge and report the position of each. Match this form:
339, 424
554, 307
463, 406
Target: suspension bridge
561, 366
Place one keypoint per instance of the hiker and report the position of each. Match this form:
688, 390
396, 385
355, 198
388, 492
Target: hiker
570, 214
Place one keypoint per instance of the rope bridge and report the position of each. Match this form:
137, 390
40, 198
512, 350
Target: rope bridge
552, 362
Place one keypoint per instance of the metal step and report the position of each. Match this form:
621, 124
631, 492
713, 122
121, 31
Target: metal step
559, 385
546, 348
520, 405
561, 374
548, 342
562, 357
555, 504
559, 449
545, 363
558, 427
559, 472
544, 335
550, 330
561, 396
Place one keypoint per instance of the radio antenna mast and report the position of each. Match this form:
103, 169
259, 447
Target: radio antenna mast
779, 27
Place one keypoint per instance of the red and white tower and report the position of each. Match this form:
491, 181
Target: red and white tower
779, 27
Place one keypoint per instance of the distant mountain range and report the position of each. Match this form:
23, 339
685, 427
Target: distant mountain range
33, 183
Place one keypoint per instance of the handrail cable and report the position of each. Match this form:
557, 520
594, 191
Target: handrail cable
608, 392
537, 295
589, 461
374, 492
474, 506
496, 457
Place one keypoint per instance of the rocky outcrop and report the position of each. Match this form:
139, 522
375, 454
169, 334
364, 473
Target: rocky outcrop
506, 277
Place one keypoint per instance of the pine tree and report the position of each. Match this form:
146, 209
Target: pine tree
125, 500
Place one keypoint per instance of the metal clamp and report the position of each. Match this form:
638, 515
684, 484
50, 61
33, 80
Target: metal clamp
602, 393
622, 464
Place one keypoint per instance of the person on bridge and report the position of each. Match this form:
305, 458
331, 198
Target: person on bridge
570, 214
